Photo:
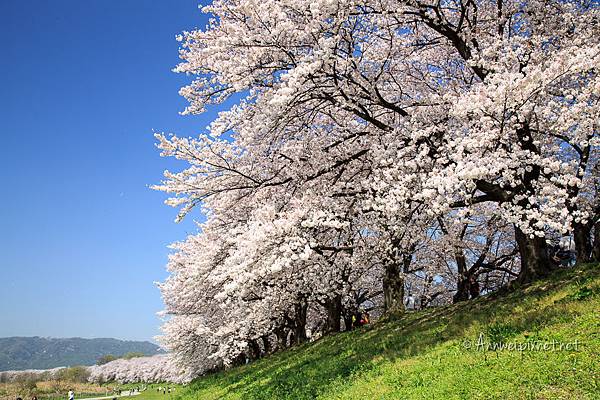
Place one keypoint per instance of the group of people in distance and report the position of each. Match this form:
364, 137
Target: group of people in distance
165, 390
360, 318
71, 394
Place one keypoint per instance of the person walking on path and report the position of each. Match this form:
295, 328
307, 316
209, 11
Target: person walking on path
71, 394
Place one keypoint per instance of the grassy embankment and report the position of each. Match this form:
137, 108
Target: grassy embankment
434, 353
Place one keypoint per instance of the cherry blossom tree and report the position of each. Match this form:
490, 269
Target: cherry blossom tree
157, 368
370, 149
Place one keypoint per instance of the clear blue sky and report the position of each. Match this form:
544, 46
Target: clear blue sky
83, 86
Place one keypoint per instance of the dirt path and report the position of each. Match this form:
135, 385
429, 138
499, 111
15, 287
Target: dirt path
124, 394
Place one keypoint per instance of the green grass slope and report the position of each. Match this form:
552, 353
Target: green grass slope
435, 353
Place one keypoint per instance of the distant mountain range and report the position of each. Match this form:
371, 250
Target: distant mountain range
18, 353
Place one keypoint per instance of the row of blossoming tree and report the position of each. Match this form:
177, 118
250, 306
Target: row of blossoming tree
378, 156
157, 368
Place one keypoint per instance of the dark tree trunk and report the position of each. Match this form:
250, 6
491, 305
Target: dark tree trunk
462, 290
462, 284
266, 344
393, 289
348, 321
334, 314
253, 350
535, 260
467, 288
300, 323
474, 289
596, 244
583, 242
281, 334
239, 360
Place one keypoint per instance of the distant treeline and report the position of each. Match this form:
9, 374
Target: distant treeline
77, 374
23, 353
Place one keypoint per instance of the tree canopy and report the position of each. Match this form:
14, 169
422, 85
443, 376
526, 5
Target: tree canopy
375, 156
